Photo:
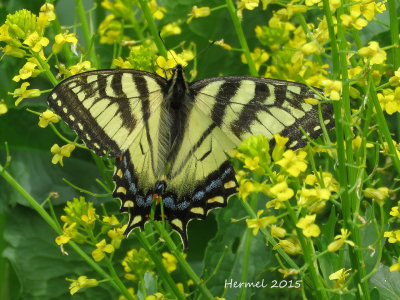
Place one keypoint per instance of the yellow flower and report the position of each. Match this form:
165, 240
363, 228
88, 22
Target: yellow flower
312, 2
90, 216
288, 272
110, 30
123, 64
281, 191
156, 296
81, 283
136, 264
374, 52
171, 29
169, 261
395, 80
395, 267
339, 277
395, 211
259, 57
393, 236
5, 35
23, 93
379, 194
47, 11
340, 240
26, 71
117, 235
80, 67
111, 220
257, 223
245, 188
61, 39
46, 15
251, 163
278, 232
60, 153
102, 247
36, 42
308, 226
332, 88
293, 162
334, 4
390, 100
279, 148
12, 51
310, 48
369, 8
168, 64
247, 4
131, 292
223, 45
198, 12
3, 107
290, 245
157, 11
69, 232
48, 117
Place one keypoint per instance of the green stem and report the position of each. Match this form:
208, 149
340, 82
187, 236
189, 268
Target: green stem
394, 32
183, 263
116, 279
241, 37
350, 202
308, 255
383, 124
247, 249
46, 69
153, 27
86, 33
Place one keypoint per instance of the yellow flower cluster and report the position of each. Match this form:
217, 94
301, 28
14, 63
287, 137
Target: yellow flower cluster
136, 263
79, 222
316, 191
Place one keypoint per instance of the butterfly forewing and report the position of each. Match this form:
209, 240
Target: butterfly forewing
107, 108
243, 106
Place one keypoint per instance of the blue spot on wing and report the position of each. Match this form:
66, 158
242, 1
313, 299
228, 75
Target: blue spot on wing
213, 185
198, 196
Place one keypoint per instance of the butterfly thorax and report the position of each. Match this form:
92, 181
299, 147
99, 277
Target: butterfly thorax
177, 88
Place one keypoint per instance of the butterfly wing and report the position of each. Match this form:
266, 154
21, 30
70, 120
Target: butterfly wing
226, 111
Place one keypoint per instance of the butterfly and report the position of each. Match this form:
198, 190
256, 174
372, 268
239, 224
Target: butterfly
171, 137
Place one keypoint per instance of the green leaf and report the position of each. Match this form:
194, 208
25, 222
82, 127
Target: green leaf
386, 282
40, 266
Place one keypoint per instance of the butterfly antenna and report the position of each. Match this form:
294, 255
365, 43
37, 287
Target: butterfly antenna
205, 48
169, 51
